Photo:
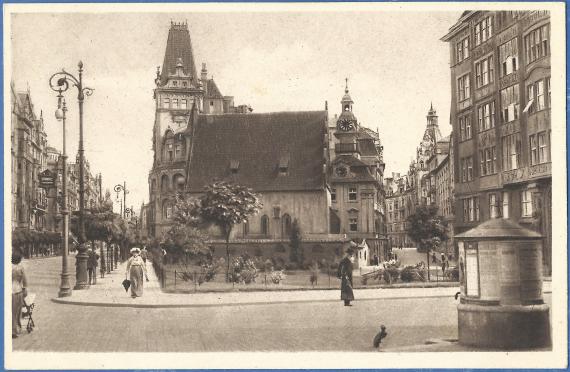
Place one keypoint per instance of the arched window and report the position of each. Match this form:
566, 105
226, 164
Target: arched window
164, 183
168, 154
153, 186
286, 225
178, 182
166, 210
264, 225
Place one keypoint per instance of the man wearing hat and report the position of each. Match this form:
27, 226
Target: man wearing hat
92, 258
345, 275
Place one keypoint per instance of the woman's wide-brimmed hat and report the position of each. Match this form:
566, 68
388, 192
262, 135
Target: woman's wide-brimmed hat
135, 250
350, 252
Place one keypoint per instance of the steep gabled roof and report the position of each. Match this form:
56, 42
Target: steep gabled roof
213, 91
258, 142
178, 46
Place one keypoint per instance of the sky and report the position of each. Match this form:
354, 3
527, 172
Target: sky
395, 63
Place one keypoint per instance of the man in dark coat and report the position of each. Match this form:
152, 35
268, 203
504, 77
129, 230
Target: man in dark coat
92, 258
345, 275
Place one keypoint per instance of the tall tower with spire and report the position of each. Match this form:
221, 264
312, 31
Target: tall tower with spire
179, 94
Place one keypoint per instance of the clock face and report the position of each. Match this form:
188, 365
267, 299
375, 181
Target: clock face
346, 125
341, 172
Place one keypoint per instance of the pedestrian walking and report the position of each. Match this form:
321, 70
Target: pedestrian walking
135, 270
443, 266
345, 275
92, 258
433, 259
19, 292
375, 260
144, 254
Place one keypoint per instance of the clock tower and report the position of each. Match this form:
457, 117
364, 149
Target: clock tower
346, 127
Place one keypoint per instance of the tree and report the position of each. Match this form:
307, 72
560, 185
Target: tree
295, 238
225, 205
427, 229
184, 238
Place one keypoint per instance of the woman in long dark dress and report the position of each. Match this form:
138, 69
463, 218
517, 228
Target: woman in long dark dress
345, 274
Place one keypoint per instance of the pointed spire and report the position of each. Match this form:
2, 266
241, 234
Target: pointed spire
178, 52
431, 106
326, 105
346, 85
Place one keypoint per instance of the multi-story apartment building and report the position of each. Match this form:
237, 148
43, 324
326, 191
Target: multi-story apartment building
401, 200
29, 159
437, 186
500, 113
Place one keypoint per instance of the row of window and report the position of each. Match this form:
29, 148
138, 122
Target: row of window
174, 103
539, 98
497, 208
177, 183
352, 194
173, 151
539, 153
536, 45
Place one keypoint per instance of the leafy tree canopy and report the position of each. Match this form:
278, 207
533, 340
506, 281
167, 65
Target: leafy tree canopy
427, 228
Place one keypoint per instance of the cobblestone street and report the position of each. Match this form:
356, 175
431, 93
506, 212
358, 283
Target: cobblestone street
290, 326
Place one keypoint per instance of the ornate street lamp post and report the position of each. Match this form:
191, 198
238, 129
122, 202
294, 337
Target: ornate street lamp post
118, 188
60, 82
64, 287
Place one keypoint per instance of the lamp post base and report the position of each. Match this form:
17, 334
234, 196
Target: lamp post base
64, 288
81, 269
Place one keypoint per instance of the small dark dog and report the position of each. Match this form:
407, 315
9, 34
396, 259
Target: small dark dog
380, 336
457, 295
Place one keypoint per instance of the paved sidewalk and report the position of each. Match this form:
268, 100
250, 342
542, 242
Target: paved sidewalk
110, 292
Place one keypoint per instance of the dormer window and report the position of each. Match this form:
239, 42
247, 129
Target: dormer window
184, 84
234, 166
283, 165
174, 83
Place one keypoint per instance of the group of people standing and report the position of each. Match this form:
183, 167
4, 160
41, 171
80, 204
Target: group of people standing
444, 261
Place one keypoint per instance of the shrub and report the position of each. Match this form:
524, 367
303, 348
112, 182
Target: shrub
278, 263
391, 274
268, 266
409, 274
243, 270
453, 273
277, 276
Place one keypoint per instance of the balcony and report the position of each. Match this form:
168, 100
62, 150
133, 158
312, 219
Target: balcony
346, 148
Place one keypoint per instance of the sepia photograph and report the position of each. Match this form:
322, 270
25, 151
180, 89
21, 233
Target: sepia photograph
311, 185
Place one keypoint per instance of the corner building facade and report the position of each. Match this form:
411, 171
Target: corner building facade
500, 113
